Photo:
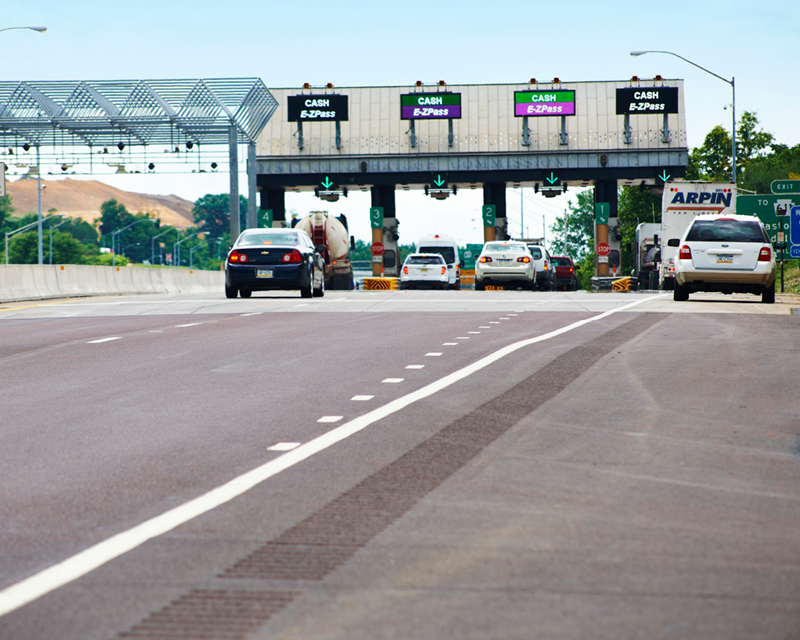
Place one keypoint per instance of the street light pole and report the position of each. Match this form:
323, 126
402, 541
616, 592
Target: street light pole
39, 29
731, 82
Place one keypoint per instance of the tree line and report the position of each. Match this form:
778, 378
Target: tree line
121, 237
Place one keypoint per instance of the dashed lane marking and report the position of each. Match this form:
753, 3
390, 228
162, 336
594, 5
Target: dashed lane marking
191, 324
283, 446
74, 567
392, 380
104, 340
330, 418
433, 354
415, 366
449, 344
361, 398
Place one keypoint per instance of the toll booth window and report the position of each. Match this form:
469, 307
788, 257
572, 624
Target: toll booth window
613, 259
389, 258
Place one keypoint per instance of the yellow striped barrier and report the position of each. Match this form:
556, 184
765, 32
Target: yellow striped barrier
623, 284
381, 284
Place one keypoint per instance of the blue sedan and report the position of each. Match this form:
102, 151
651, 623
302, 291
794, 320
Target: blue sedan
274, 259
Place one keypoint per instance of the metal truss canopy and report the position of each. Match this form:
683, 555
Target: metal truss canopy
133, 112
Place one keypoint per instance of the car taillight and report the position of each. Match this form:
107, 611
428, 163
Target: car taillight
571, 269
405, 270
765, 255
685, 253
294, 256
524, 259
237, 257
485, 259
444, 269
545, 265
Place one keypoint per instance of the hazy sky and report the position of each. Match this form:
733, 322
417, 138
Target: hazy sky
363, 43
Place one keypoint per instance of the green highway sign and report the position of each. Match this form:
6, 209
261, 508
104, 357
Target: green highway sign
376, 217
602, 210
489, 213
783, 187
772, 210
265, 218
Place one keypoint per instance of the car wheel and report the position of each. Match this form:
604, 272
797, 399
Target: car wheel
245, 293
768, 296
306, 292
231, 292
318, 293
479, 285
532, 285
680, 292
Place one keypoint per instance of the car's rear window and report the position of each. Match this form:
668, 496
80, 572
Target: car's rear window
258, 239
562, 262
502, 246
726, 231
425, 260
536, 252
448, 253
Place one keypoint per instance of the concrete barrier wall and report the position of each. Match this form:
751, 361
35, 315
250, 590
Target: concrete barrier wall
38, 282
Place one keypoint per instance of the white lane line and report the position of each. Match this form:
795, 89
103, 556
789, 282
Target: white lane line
392, 380
82, 563
449, 344
361, 398
484, 327
505, 318
415, 366
462, 338
330, 418
433, 354
191, 324
104, 340
245, 315
284, 446
474, 333
493, 322
305, 304
155, 331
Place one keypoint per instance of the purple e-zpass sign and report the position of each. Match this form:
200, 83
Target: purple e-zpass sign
544, 103
415, 106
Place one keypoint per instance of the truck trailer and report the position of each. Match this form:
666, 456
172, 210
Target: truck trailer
331, 234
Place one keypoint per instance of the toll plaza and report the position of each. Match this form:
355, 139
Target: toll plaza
445, 139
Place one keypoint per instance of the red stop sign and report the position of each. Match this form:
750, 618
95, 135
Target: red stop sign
377, 248
603, 249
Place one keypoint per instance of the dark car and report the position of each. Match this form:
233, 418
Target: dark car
270, 259
565, 273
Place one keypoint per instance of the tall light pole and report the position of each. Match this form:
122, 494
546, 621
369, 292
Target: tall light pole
38, 161
731, 82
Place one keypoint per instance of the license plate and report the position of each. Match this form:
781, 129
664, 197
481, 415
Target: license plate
724, 259
423, 271
504, 260
263, 273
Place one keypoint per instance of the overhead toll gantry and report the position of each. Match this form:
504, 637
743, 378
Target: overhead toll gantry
444, 139
103, 114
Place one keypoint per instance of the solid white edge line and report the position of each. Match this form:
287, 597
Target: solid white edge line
77, 566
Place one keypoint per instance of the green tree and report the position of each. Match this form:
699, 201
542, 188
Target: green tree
782, 164
66, 249
713, 160
5, 213
574, 232
212, 214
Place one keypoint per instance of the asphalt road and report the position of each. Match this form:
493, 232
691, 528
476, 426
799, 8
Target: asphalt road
417, 465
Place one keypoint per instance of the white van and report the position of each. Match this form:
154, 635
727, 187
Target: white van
446, 247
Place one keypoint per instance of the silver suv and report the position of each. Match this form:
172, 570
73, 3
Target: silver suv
726, 253
545, 270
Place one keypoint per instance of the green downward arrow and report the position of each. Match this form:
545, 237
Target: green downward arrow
552, 179
664, 175
327, 183
438, 182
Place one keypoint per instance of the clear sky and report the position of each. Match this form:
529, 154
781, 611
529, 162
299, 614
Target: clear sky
363, 43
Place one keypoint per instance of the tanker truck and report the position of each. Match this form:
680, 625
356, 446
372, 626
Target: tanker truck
330, 234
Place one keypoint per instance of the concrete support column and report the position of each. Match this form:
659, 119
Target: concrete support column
275, 199
495, 193
605, 191
233, 154
384, 196
252, 212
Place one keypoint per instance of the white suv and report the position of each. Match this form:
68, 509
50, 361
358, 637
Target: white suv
726, 253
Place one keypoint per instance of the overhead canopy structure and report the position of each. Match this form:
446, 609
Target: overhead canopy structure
133, 112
